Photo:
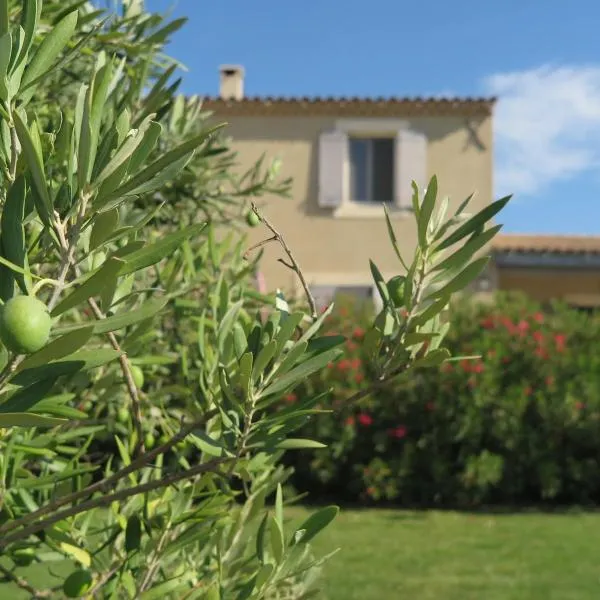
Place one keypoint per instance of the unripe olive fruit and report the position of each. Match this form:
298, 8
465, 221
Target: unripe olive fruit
23, 557
252, 218
122, 415
138, 376
396, 289
77, 583
24, 324
149, 441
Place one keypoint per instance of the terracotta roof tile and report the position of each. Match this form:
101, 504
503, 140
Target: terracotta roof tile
556, 244
333, 106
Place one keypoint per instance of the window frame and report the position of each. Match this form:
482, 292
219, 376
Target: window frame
368, 129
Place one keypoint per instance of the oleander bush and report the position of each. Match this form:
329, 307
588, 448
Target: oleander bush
518, 425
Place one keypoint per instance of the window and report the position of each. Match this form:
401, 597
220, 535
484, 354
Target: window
371, 169
326, 294
364, 163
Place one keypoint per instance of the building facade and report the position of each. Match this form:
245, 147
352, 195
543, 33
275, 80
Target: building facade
349, 156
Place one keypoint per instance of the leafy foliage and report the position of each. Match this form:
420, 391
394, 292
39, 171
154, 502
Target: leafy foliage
158, 483
518, 425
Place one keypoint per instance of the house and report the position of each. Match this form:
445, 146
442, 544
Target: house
549, 267
348, 156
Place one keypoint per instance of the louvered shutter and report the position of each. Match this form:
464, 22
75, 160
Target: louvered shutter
411, 164
333, 178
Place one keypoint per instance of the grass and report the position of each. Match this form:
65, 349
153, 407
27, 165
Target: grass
395, 555
389, 554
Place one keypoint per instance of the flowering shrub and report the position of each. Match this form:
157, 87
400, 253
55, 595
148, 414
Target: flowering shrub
520, 423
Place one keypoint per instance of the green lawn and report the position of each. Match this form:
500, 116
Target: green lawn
453, 556
396, 555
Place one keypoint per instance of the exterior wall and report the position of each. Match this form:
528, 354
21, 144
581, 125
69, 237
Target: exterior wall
335, 250
580, 287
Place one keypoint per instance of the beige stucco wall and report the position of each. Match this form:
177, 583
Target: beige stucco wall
579, 287
336, 251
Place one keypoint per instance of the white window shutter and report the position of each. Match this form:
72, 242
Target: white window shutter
411, 164
333, 160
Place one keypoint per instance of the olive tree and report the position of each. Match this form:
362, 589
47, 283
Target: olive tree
140, 372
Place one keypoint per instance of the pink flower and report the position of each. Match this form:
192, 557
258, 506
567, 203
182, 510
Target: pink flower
365, 419
487, 323
538, 317
358, 333
559, 340
523, 327
478, 367
399, 432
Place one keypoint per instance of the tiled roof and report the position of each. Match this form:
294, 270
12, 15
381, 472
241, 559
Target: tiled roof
351, 106
540, 244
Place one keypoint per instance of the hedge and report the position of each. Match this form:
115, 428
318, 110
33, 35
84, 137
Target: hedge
518, 425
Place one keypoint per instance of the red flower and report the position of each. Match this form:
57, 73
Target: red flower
487, 323
523, 327
351, 345
527, 390
478, 367
349, 421
550, 380
542, 353
559, 340
538, 336
538, 317
358, 333
398, 432
359, 377
343, 365
579, 405
365, 419
355, 363
330, 365
466, 365
291, 398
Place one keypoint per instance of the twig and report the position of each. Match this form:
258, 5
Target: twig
103, 579
294, 266
109, 482
24, 584
126, 369
15, 150
155, 562
9, 369
210, 466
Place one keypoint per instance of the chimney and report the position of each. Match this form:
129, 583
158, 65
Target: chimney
232, 82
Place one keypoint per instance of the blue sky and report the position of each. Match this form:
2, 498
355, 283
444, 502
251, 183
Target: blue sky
541, 58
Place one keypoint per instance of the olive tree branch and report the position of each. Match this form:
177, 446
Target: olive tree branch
293, 264
24, 584
129, 382
210, 466
109, 482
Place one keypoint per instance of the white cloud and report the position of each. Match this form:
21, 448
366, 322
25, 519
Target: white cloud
547, 126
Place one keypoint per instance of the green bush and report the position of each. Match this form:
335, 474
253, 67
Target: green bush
518, 425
